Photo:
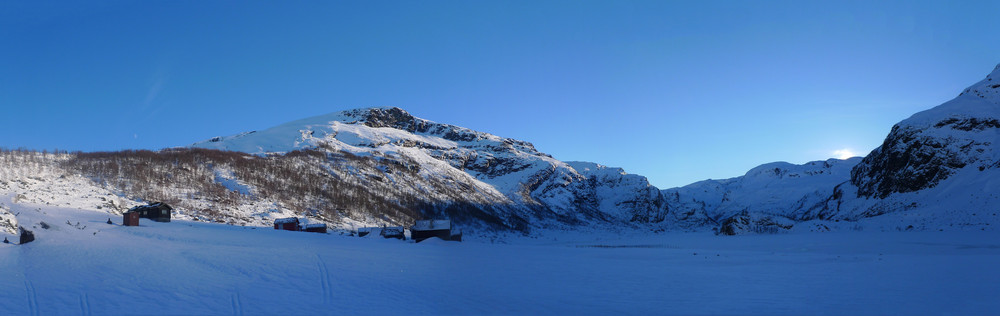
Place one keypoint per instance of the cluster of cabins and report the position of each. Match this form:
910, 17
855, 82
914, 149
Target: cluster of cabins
420, 231
426, 229
158, 211
293, 224
161, 212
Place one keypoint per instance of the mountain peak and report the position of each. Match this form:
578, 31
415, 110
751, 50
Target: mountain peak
384, 117
979, 101
987, 89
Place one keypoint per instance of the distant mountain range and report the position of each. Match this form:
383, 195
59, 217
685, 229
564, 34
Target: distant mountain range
382, 166
937, 167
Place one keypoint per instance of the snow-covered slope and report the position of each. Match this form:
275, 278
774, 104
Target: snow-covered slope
777, 189
622, 196
940, 166
544, 187
933, 145
938, 169
940, 163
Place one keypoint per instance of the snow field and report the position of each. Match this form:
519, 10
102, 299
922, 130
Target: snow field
200, 268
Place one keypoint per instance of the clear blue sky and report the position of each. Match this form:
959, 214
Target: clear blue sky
678, 91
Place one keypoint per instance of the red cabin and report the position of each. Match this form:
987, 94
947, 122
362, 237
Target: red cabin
288, 223
130, 218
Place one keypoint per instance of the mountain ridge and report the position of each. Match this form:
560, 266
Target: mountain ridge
919, 153
384, 166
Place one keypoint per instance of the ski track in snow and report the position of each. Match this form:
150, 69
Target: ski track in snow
29, 291
237, 304
324, 279
85, 305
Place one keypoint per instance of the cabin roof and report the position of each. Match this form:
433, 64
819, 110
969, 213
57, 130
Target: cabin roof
432, 225
286, 220
155, 206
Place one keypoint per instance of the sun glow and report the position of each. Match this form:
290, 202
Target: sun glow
844, 153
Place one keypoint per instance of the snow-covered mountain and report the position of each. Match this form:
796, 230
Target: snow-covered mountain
939, 164
539, 186
779, 192
382, 166
931, 146
936, 169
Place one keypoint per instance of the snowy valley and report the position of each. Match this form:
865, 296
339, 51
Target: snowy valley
865, 235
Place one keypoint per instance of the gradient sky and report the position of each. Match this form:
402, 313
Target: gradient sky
678, 91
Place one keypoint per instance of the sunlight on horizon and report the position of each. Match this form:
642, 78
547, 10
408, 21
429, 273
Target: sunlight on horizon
844, 153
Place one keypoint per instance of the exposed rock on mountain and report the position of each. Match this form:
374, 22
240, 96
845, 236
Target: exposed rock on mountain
527, 183
933, 145
774, 190
935, 169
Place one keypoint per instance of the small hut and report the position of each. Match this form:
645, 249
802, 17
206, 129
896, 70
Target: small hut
26, 236
130, 218
434, 228
287, 223
158, 211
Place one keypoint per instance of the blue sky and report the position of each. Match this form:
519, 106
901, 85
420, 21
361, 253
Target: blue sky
678, 91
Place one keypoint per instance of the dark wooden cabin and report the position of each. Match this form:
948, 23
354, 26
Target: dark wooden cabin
287, 223
424, 229
158, 211
315, 228
393, 232
130, 218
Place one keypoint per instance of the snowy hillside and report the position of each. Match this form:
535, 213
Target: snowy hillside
939, 163
932, 145
542, 187
940, 167
936, 170
781, 191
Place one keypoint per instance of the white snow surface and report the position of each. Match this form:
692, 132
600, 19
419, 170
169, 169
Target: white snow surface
185, 267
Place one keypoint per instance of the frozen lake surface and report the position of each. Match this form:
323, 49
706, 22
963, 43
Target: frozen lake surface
93, 268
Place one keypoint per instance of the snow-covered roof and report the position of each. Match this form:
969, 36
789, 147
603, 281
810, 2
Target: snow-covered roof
315, 225
286, 220
394, 229
432, 224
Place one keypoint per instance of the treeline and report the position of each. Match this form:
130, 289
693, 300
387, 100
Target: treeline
322, 184
189, 178
21, 162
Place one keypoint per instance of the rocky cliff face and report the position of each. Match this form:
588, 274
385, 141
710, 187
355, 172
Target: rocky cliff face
936, 169
931, 146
